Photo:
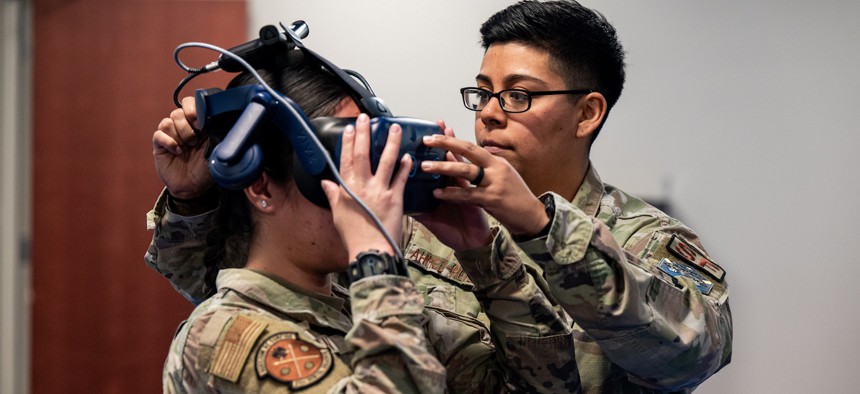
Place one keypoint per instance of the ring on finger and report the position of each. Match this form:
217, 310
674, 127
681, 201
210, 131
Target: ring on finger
479, 177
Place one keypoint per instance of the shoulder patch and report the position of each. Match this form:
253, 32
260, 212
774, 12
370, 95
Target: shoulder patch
291, 360
690, 254
675, 270
234, 346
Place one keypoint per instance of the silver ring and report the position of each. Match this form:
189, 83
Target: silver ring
479, 178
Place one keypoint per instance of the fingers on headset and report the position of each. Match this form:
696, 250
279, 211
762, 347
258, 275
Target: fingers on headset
389, 153
398, 185
167, 126
449, 132
162, 142
460, 148
166, 136
347, 147
184, 131
361, 150
456, 169
189, 107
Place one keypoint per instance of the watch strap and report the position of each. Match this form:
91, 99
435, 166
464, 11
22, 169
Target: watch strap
374, 262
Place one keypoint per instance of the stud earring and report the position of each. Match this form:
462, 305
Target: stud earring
264, 204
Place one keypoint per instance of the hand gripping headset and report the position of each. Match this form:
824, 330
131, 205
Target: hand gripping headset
237, 160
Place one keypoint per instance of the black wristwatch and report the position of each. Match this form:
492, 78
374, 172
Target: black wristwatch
374, 262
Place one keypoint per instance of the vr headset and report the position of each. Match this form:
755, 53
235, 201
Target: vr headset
236, 162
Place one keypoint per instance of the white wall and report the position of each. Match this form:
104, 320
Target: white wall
743, 113
416, 54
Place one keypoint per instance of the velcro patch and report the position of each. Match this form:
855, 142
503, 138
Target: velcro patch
675, 270
449, 268
234, 347
288, 359
690, 254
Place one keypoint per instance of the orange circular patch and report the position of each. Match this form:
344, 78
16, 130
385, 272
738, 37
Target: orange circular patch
288, 359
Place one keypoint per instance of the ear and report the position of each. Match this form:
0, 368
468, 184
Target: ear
260, 194
592, 110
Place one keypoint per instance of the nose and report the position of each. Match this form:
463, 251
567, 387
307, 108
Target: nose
493, 113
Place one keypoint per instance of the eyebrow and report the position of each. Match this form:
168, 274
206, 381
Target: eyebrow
511, 79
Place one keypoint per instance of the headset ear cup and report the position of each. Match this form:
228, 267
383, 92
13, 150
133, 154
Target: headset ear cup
309, 185
329, 131
240, 174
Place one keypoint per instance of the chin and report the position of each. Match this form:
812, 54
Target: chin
509, 156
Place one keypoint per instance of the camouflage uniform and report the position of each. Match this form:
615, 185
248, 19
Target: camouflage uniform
656, 327
260, 334
651, 308
662, 326
178, 246
457, 327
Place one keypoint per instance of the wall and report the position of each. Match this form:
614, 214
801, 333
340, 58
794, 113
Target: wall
740, 113
15, 64
103, 75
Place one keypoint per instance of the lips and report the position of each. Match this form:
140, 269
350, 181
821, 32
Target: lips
493, 147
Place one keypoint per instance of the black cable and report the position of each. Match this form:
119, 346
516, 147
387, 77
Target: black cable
360, 77
192, 74
391, 241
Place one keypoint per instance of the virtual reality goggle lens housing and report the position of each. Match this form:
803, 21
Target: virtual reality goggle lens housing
237, 160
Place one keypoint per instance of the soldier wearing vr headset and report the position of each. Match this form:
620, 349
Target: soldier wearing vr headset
456, 334
277, 320
649, 306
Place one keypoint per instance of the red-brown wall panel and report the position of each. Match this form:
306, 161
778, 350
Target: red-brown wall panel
103, 78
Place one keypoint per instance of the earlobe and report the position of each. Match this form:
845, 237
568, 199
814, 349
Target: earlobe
592, 111
259, 195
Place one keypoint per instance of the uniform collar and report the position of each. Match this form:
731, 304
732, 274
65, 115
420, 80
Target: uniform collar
287, 299
590, 192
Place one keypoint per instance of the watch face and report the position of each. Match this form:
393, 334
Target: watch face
369, 258
375, 263
372, 264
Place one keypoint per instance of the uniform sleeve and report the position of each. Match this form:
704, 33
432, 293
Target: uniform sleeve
533, 337
178, 248
230, 350
389, 339
668, 331
226, 349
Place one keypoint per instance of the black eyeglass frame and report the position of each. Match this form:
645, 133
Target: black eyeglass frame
528, 93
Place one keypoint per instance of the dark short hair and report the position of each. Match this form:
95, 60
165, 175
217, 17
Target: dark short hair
316, 90
583, 46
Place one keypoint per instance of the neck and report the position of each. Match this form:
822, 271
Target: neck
565, 181
292, 263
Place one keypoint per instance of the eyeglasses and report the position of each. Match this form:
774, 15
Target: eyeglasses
511, 100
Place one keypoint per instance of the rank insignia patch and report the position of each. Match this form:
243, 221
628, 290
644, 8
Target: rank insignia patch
288, 359
675, 270
687, 252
